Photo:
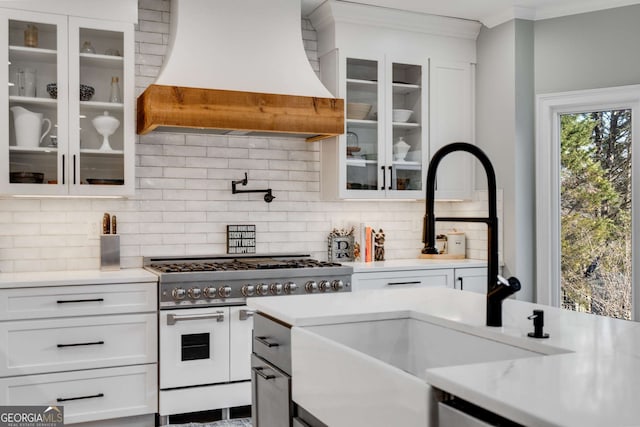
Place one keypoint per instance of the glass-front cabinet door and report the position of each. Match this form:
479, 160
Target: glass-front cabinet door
100, 121
364, 115
67, 115
34, 116
406, 138
385, 144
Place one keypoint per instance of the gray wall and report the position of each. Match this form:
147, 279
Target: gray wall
519, 59
504, 129
590, 50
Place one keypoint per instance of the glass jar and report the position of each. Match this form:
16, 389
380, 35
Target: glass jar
115, 90
31, 36
87, 47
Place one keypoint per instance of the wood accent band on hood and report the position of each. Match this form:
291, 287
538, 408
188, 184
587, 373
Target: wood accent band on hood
176, 106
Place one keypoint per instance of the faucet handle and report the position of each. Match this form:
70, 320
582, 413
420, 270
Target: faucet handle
512, 283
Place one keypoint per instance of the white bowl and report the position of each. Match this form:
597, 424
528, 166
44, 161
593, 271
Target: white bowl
401, 116
358, 110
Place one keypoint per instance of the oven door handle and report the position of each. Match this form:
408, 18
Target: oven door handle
246, 314
173, 318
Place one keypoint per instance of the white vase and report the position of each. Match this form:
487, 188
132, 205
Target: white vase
106, 125
400, 149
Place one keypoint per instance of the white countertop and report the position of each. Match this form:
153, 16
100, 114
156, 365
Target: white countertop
77, 277
413, 264
590, 376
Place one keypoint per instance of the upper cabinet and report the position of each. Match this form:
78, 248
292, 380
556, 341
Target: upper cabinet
451, 119
383, 151
408, 87
68, 117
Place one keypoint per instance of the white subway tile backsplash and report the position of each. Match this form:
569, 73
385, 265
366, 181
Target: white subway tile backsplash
187, 172
247, 164
250, 143
153, 26
145, 37
162, 5
149, 15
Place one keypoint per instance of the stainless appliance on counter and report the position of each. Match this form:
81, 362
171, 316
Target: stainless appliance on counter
205, 326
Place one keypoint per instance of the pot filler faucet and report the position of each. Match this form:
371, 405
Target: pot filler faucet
498, 288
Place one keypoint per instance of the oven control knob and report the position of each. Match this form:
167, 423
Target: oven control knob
210, 292
337, 285
248, 290
178, 293
224, 291
324, 286
290, 288
275, 288
262, 289
194, 293
311, 287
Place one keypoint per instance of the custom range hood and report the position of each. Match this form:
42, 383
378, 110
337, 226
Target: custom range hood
239, 67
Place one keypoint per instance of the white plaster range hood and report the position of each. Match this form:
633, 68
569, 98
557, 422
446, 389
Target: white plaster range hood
239, 66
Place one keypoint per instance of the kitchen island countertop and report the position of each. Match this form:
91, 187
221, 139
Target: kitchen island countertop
589, 376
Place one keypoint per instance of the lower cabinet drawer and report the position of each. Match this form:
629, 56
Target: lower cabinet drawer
88, 395
83, 300
272, 342
41, 346
403, 279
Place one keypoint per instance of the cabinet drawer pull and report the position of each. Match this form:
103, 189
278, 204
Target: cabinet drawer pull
63, 171
246, 314
263, 341
461, 283
66, 399
417, 282
384, 178
259, 371
81, 344
71, 301
173, 318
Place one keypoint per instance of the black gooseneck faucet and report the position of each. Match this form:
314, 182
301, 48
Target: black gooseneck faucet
498, 288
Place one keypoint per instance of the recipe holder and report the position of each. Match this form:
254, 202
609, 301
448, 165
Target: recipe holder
110, 252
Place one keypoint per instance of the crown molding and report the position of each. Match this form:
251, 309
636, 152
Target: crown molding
333, 11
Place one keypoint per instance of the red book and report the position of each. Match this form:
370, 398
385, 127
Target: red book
368, 249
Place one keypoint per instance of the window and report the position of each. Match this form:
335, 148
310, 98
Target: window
586, 203
595, 212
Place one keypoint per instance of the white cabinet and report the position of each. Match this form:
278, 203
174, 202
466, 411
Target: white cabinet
89, 395
366, 162
451, 119
403, 279
399, 274
394, 60
471, 279
56, 87
92, 348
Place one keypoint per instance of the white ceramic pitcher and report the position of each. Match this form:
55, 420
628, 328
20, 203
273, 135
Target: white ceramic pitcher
28, 127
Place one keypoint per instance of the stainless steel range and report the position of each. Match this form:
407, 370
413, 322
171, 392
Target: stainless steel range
205, 327
229, 280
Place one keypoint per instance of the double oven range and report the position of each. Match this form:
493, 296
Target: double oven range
205, 327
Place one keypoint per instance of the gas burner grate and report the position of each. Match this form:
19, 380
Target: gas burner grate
240, 265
